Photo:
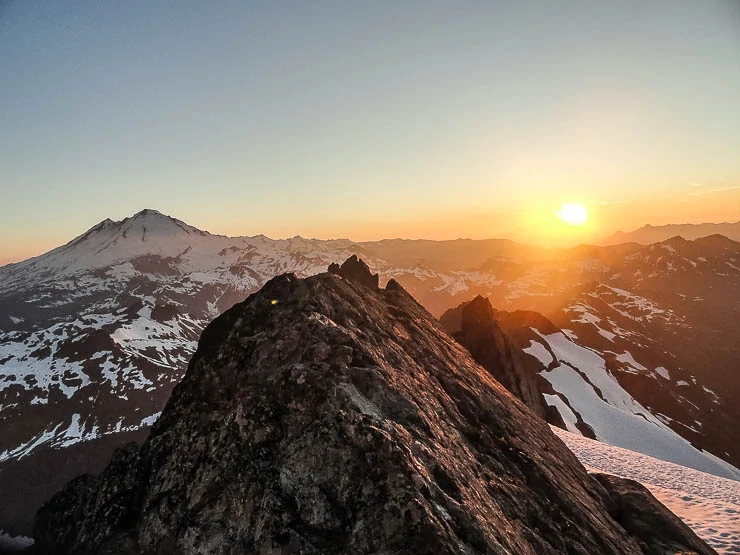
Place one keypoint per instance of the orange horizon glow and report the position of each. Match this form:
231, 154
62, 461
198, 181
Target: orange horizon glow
366, 121
529, 221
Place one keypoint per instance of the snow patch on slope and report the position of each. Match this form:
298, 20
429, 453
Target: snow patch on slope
630, 361
566, 413
76, 432
663, 373
13, 544
708, 504
538, 351
613, 414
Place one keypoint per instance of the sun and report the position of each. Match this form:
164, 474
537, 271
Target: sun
573, 214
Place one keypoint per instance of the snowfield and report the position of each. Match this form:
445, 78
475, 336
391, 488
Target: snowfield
582, 379
710, 505
11, 544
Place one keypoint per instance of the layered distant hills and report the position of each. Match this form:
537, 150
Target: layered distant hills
94, 335
653, 234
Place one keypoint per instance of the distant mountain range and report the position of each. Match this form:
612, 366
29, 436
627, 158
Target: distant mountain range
95, 334
649, 234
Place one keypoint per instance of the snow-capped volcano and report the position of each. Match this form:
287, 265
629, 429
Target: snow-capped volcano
153, 243
147, 233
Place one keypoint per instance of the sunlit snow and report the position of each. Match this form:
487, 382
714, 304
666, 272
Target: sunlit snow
613, 414
710, 505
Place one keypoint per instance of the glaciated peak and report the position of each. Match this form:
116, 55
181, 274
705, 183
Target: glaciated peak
146, 233
156, 222
146, 222
149, 212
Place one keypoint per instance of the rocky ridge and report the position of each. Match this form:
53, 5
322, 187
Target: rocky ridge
94, 335
474, 326
326, 415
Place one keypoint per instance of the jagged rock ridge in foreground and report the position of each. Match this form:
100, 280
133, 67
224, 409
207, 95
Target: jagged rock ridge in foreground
322, 415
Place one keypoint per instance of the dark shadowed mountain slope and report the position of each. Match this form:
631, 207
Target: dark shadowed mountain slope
326, 416
473, 325
599, 393
661, 320
667, 324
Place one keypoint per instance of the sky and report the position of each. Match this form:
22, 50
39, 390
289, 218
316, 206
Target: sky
367, 120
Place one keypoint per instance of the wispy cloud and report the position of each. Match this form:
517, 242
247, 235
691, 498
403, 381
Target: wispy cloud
710, 190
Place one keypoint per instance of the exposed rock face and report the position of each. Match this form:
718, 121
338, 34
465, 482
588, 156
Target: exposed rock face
356, 270
473, 325
323, 416
642, 515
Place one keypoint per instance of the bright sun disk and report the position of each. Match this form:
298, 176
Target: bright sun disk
573, 214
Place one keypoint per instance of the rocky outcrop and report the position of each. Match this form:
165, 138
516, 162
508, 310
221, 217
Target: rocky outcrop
324, 416
473, 325
356, 270
635, 508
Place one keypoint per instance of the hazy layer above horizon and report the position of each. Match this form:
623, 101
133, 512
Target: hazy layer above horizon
416, 119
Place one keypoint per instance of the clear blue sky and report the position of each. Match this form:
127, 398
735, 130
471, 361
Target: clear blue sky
359, 119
